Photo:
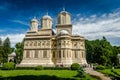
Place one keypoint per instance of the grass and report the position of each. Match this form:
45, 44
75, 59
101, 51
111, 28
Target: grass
115, 73
41, 75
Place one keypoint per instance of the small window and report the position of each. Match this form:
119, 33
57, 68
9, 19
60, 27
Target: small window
44, 54
53, 54
27, 54
59, 54
36, 54
63, 53
75, 54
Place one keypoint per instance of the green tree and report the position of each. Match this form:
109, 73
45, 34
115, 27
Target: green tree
19, 51
0, 42
6, 49
101, 52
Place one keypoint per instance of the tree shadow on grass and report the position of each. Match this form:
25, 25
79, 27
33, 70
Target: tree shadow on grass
32, 77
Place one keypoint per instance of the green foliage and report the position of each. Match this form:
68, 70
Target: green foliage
19, 51
101, 52
8, 66
39, 67
1, 54
6, 49
75, 66
0, 42
100, 67
25, 68
81, 73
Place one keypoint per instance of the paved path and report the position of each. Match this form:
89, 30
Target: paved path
96, 74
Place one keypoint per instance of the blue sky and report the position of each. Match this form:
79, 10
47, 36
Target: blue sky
92, 18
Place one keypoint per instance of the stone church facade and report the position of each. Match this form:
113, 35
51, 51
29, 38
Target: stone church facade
44, 47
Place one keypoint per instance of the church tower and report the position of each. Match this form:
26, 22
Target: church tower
64, 18
46, 22
34, 25
64, 22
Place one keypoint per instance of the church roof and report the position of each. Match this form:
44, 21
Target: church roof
34, 19
12, 54
47, 16
64, 32
64, 11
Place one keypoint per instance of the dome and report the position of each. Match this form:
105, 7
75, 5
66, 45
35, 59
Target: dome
34, 20
64, 32
64, 11
47, 16
12, 54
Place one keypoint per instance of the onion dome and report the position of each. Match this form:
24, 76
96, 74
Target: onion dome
12, 54
47, 17
64, 32
64, 11
34, 20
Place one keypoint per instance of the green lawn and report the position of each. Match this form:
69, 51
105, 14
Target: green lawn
41, 75
115, 73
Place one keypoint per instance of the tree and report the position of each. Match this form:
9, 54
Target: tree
6, 49
0, 42
101, 52
19, 51
1, 54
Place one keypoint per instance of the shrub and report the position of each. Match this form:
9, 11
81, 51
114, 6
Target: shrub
8, 66
39, 67
108, 67
75, 66
100, 67
81, 73
56, 68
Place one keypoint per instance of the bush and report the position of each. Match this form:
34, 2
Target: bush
39, 67
81, 73
56, 68
108, 67
75, 66
8, 66
100, 67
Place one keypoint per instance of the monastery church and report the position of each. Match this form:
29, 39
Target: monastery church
44, 47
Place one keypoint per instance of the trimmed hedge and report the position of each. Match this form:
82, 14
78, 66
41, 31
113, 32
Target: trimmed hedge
8, 66
39, 67
75, 66
25, 68
45, 68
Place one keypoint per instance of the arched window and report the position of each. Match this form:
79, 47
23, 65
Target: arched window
59, 54
35, 44
63, 53
27, 54
82, 54
53, 54
39, 44
36, 54
75, 54
44, 53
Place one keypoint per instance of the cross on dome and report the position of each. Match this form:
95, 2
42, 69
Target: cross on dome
63, 8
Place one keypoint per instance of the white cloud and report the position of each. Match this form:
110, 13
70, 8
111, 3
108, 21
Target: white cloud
14, 38
95, 27
21, 22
